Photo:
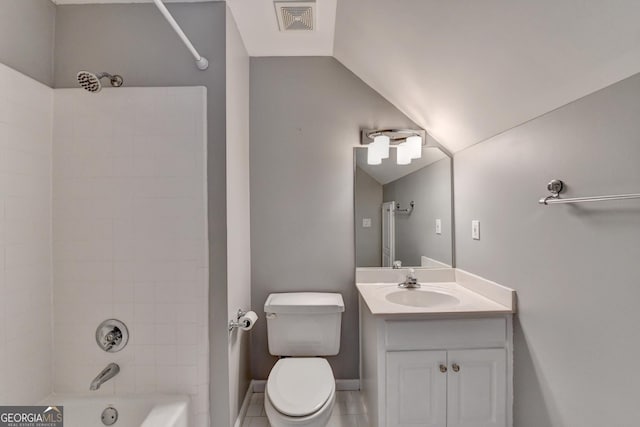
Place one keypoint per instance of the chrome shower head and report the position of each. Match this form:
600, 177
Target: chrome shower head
91, 82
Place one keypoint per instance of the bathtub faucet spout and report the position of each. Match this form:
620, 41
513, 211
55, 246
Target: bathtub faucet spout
107, 373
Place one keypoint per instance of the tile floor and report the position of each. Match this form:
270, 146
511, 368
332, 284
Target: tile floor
348, 411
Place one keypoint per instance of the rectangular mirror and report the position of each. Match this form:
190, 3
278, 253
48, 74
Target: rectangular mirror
403, 213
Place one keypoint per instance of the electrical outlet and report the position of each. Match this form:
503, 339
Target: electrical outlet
438, 226
475, 229
366, 222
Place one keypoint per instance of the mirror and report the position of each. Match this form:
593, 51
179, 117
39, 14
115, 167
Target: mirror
398, 209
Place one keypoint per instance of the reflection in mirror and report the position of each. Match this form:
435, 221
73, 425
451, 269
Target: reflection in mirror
404, 212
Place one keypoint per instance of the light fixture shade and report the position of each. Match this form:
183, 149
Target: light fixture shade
403, 155
382, 145
415, 146
373, 156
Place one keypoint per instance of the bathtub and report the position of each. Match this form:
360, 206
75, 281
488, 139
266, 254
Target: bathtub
153, 410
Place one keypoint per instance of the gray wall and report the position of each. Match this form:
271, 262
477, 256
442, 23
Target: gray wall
574, 267
238, 214
135, 41
368, 203
26, 37
305, 119
430, 189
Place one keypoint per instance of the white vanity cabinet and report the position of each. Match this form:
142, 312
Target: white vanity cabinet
477, 388
458, 388
416, 388
436, 371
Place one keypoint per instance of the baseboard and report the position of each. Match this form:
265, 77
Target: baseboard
245, 406
259, 386
347, 385
341, 385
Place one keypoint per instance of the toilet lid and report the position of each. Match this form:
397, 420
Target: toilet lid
299, 386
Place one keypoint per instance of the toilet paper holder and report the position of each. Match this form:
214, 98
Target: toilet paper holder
235, 324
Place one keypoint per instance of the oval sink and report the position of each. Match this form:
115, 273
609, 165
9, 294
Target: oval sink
419, 298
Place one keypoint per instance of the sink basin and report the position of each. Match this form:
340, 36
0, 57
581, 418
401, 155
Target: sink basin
421, 298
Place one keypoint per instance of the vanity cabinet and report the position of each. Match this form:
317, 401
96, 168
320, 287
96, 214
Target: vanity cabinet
425, 371
416, 388
459, 388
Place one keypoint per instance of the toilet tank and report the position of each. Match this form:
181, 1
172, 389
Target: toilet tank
304, 323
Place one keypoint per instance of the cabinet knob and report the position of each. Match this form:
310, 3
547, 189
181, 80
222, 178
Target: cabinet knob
443, 368
455, 367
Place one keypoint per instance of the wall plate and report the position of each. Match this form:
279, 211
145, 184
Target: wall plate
475, 229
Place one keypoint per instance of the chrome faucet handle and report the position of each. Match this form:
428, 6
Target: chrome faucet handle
112, 335
411, 281
112, 338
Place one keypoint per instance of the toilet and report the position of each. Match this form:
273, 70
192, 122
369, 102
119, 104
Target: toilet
301, 328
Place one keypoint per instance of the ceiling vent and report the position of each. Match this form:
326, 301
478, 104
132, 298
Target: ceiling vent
295, 16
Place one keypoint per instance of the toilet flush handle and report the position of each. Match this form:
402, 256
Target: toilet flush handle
271, 315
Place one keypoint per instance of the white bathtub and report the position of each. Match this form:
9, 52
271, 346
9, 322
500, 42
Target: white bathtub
133, 410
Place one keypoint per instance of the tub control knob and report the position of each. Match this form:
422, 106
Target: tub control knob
112, 335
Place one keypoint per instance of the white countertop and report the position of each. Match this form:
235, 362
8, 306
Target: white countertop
494, 299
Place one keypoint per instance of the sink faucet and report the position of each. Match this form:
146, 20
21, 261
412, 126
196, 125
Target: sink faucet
107, 373
411, 281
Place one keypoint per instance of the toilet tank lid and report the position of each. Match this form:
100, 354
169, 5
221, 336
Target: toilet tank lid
304, 302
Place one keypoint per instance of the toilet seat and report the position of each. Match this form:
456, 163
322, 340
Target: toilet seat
317, 419
300, 386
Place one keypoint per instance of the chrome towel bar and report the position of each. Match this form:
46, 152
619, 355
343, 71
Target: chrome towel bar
556, 186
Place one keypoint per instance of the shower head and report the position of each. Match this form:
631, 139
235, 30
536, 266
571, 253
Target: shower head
91, 82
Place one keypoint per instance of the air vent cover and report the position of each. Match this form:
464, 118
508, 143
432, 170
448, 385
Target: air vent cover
295, 16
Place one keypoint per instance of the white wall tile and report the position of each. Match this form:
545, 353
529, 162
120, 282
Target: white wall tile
26, 114
130, 238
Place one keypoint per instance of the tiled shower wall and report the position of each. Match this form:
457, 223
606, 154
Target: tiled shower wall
25, 238
130, 239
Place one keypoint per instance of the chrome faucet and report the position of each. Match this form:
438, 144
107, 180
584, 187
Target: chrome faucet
107, 373
411, 281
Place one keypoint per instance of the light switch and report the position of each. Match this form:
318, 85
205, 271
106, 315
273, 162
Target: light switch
438, 226
475, 229
366, 222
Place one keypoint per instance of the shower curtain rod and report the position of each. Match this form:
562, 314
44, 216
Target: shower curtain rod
201, 61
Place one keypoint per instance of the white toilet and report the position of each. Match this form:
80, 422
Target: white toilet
301, 326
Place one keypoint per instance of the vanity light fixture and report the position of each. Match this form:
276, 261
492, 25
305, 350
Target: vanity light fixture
378, 150
414, 144
382, 145
407, 142
372, 157
403, 155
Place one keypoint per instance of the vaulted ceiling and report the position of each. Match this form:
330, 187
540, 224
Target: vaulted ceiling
468, 70
465, 70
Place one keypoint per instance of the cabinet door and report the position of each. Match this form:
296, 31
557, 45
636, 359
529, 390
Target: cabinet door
477, 388
416, 389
